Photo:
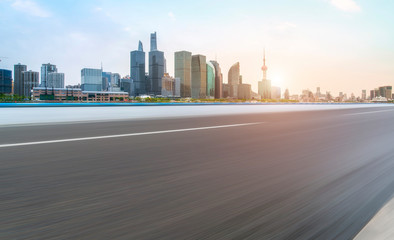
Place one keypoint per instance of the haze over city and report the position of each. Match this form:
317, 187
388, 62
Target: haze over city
338, 45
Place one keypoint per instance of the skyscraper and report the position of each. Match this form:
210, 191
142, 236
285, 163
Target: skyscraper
265, 84
218, 80
137, 71
18, 81
199, 76
55, 80
183, 67
91, 79
45, 70
210, 80
233, 80
30, 80
5, 81
156, 67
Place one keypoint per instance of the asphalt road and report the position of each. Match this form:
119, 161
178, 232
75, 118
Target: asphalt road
295, 175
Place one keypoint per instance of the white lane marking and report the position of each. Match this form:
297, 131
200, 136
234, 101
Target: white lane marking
125, 135
361, 113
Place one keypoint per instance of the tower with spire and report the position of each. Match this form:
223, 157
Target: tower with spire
265, 84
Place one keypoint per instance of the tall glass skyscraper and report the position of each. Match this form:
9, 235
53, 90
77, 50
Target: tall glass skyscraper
137, 71
199, 76
233, 80
156, 67
218, 80
55, 80
91, 79
183, 71
18, 81
210, 80
45, 70
5, 81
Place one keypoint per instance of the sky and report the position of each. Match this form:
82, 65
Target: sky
338, 45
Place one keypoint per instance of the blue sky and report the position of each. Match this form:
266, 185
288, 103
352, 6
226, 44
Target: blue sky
339, 45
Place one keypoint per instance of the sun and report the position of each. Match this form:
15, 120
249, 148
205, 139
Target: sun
277, 80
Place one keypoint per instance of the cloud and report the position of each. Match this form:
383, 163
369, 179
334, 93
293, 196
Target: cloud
172, 16
30, 7
346, 5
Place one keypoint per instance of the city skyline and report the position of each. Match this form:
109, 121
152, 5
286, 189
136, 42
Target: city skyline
346, 48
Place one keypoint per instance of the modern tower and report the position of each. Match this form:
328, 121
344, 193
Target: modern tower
91, 79
233, 79
5, 81
45, 70
199, 76
30, 80
18, 81
156, 67
55, 80
218, 80
137, 71
210, 80
265, 84
183, 71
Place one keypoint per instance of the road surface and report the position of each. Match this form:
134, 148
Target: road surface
281, 175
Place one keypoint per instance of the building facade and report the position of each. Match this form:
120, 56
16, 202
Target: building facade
210, 80
137, 71
30, 80
157, 65
233, 80
218, 80
76, 94
183, 71
18, 81
55, 80
171, 87
245, 91
199, 77
91, 79
46, 69
5, 81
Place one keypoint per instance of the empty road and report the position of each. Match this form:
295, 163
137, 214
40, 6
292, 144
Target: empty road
319, 174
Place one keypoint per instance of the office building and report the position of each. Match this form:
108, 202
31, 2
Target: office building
46, 69
199, 76
233, 80
106, 80
18, 81
30, 80
156, 67
364, 95
77, 94
276, 93
386, 91
210, 80
265, 84
137, 71
5, 81
244, 91
287, 94
126, 85
91, 79
183, 71
218, 80
55, 80
171, 87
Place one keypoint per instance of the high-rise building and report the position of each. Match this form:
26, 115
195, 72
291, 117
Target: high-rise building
287, 94
363, 94
199, 76
171, 87
233, 79
5, 81
18, 81
265, 84
218, 80
106, 80
386, 91
183, 71
45, 70
127, 86
276, 93
137, 71
30, 80
244, 91
91, 79
372, 94
210, 80
156, 67
55, 80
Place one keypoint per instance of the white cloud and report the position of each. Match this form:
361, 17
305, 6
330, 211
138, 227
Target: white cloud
172, 16
30, 7
346, 5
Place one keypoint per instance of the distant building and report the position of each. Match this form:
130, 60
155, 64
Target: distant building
372, 94
76, 94
276, 93
126, 85
218, 80
91, 79
265, 84
199, 76
171, 87
30, 80
245, 91
364, 95
233, 79
385, 91
156, 67
226, 90
18, 81
287, 94
5, 81
210, 80
137, 71
183, 71
55, 80
46, 69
